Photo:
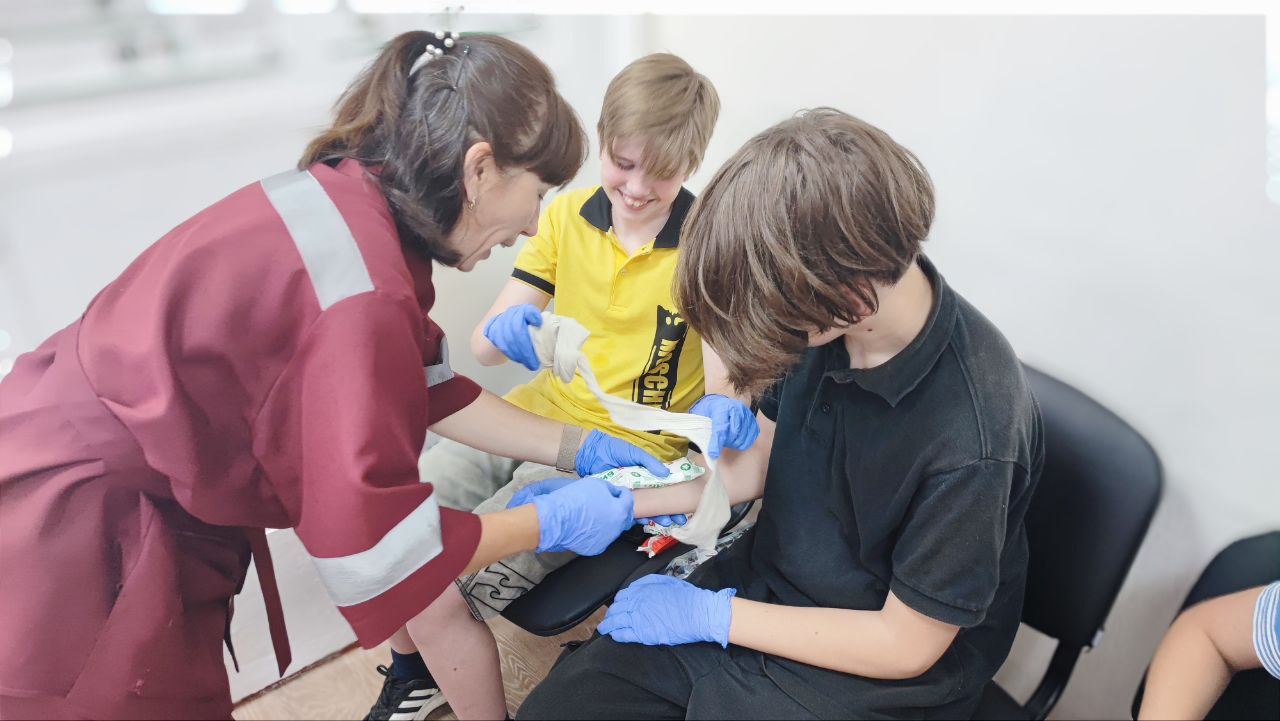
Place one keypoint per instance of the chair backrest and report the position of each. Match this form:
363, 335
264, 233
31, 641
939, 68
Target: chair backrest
1100, 487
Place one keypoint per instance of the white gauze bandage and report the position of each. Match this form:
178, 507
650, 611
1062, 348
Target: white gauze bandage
559, 346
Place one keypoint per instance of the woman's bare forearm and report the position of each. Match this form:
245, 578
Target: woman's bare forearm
493, 425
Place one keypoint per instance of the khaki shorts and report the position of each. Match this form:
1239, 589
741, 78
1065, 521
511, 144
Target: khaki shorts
470, 480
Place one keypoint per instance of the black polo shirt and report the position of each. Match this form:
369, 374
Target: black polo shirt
914, 477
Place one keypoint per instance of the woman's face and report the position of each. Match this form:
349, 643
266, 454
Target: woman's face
507, 203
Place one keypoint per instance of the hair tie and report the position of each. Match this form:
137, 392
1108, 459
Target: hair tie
444, 43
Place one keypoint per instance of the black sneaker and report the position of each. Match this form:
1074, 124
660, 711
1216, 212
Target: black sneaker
405, 700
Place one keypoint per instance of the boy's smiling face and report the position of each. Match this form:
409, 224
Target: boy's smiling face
636, 196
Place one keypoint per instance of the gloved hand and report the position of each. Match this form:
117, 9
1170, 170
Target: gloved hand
583, 516
675, 519
732, 423
539, 488
509, 332
550, 485
602, 452
660, 610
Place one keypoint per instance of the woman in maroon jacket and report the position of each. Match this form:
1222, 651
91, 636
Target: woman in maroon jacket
270, 364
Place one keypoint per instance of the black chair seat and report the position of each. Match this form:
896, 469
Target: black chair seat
996, 705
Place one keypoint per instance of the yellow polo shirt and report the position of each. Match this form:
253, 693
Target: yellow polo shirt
640, 347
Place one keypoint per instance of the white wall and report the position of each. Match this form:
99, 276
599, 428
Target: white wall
1100, 187
1101, 198
92, 183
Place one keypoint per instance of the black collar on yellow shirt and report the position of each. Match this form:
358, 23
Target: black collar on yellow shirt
598, 211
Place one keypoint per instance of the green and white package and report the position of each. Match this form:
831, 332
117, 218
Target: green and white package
636, 477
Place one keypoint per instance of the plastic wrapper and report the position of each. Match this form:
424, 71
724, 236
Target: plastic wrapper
636, 477
654, 545
686, 563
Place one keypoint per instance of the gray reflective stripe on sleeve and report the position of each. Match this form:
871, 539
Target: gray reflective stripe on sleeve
324, 241
407, 547
440, 372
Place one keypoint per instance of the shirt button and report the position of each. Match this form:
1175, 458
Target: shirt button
826, 407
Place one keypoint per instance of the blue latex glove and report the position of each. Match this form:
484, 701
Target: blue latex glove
602, 452
583, 516
540, 488
675, 519
550, 485
733, 425
664, 611
509, 332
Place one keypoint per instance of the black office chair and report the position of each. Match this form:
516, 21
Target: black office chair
1100, 487
568, 596
1247, 563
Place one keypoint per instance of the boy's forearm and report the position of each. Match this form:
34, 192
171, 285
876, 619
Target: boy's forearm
1186, 677
1206, 644
839, 639
875, 644
680, 498
743, 474
486, 353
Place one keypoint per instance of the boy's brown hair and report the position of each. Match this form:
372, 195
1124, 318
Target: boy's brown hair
790, 236
664, 103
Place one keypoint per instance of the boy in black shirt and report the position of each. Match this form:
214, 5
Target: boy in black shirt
899, 448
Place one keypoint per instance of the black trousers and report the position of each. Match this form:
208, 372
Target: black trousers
608, 680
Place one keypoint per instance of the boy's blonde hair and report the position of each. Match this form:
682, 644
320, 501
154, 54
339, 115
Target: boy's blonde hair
665, 104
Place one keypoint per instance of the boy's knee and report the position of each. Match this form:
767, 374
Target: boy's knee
449, 607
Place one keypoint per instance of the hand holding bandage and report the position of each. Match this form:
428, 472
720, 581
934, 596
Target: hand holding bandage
508, 332
733, 425
602, 452
558, 342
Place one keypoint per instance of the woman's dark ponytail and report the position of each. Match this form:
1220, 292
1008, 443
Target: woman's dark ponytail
416, 128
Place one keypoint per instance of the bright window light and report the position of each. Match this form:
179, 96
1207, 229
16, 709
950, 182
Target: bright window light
393, 6
196, 7
6, 51
6, 142
6, 340
305, 7
6, 86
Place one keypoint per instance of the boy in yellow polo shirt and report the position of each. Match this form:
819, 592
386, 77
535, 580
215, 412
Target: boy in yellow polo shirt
606, 255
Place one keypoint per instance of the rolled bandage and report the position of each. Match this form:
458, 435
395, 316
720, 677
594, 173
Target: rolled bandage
636, 477
558, 342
